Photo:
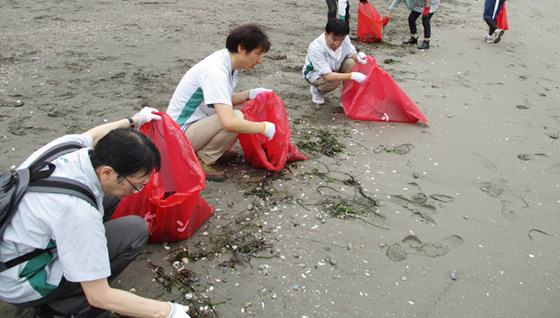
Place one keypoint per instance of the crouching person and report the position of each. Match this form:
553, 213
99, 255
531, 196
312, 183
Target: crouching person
330, 59
73, 279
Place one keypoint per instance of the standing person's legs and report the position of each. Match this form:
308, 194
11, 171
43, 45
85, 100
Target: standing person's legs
347, 16
209, 140
427, 31
333, 9
412, 17
126, 237
426, 25
488, 15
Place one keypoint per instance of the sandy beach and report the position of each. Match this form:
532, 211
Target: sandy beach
455, 218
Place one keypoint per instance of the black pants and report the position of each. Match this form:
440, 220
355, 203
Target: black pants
333, 9
425, 23
126, 237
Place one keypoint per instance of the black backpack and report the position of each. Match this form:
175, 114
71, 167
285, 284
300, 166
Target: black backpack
36, 178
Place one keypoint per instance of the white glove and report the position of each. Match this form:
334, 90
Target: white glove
146, 116
358, 77
252, 93
178, 311
269, 130
362, 57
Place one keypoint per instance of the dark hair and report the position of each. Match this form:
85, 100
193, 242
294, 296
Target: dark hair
250, 36
337, 27
127, 151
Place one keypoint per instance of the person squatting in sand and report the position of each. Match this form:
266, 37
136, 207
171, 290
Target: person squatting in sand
426, 8
330, 59
72, 280
492, 9
203, 102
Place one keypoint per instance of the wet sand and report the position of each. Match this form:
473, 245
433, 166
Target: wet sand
456, 218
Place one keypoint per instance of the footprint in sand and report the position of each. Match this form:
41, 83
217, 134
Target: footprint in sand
507, 212
492, 189
412, 245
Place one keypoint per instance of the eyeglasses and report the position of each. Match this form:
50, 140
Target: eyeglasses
335, 42
136, 190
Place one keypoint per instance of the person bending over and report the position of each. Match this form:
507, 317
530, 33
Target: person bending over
426, 8
91, 250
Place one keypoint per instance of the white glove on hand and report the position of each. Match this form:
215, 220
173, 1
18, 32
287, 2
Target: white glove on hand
178, 311
256, 91
362, 57
146, 116
358, 77
269, 130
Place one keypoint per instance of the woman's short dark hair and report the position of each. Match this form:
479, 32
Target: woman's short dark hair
250, 36
127, 151
337, 27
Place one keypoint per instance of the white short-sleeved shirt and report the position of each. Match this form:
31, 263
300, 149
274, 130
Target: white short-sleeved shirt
71, 223
321, 60
211, 81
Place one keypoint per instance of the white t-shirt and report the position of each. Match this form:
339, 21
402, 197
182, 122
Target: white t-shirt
43, 219
211, 81
321, 60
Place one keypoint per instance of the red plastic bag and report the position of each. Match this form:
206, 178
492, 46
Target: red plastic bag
502, 19
170, 202
258, 151
379, 98
370, 23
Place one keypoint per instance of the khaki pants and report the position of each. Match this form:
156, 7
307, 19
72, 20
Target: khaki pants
209, 139
324, 86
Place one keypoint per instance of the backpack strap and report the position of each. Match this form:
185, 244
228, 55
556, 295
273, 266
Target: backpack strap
63, 186
57, 151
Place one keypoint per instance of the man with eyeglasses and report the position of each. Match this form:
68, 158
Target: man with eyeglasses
72, 280
330, 59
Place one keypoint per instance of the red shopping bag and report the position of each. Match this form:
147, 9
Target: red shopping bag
379, 98
170, 202
502, 19
258, 150
370, 23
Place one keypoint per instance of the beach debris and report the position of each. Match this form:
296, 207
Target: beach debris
320, 141
538, 231
442, 197
18, 103
453, 275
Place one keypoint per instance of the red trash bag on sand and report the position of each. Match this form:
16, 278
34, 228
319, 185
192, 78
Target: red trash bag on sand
258, 150
379, 98
370, 23
170, 202
502, 19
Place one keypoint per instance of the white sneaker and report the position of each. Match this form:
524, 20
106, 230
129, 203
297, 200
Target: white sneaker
488, 38
316, 97
497, 35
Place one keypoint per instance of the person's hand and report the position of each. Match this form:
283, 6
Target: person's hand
385, 20
252, 93
361, 57
426, 11
358, 77
178, 311
146, 115
269, 130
